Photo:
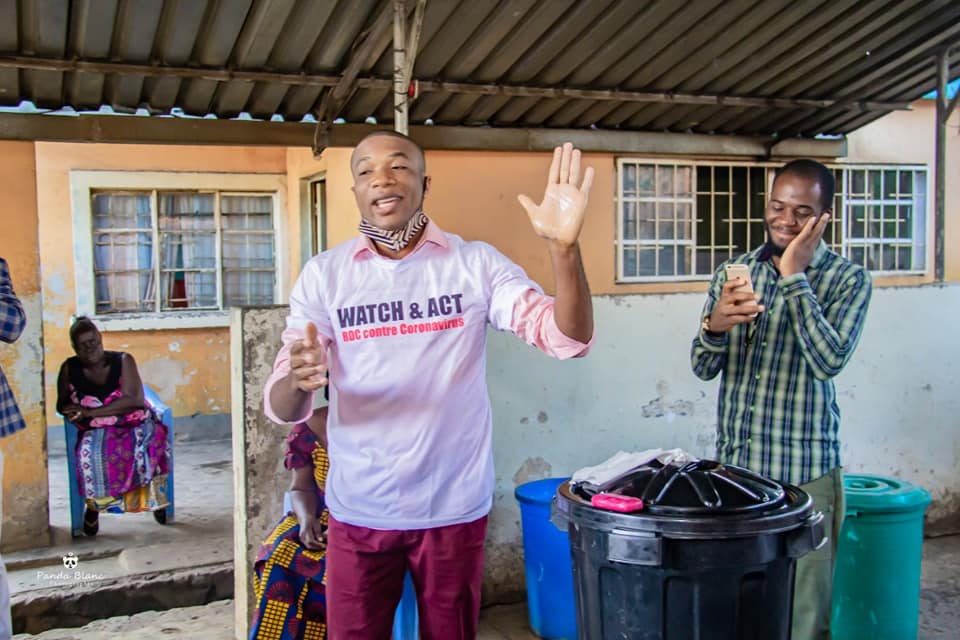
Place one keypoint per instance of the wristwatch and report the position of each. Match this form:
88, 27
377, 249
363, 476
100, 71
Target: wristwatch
705, 327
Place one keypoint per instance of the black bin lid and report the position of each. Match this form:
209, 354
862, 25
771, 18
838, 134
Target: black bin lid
699, 487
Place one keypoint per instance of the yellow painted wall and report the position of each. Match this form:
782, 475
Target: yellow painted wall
300, 165
25, 513
907, 137
473, 194
188, 368
342, 214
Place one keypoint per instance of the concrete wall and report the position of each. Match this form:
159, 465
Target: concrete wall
301, 165
473, 194
342, 214
899, 399
635, 391
187, 367
909, 137
25, 512
258, 447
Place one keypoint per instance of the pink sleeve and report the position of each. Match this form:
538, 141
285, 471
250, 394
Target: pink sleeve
281, 367
534, 323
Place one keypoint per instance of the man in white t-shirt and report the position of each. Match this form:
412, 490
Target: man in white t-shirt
398, 317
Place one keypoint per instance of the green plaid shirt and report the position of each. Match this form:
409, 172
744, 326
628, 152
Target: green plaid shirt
777, 410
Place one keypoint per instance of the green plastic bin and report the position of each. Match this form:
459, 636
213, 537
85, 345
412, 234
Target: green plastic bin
876, 582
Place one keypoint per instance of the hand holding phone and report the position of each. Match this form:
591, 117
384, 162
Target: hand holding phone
737, 303
736, 270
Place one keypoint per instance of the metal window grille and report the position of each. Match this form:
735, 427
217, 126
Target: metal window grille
886, 218
248, 257
656, 230
122, 251
681, 220
206, 249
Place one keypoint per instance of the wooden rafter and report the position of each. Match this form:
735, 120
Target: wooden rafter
940, 162
405, 45
334, 99
344, 84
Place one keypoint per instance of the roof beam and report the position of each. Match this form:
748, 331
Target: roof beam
217, 74
892, 65
401, 106
334, 99
413, 39
404, 55
199, 131
953, 104
915, 80
903, 81
648, 96
940, 164
344, 84
364, 46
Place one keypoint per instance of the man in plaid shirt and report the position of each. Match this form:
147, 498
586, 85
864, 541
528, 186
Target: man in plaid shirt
12, 322
777, 349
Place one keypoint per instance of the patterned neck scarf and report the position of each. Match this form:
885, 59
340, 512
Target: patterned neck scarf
399, 239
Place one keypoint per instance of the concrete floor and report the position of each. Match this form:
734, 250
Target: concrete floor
134, 543
215, 622
133, 564
132, 553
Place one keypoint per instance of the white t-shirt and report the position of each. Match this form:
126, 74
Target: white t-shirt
410, 425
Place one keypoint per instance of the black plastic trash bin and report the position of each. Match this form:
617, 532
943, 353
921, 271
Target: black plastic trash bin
711, 556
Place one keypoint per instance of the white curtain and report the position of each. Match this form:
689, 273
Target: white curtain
122, 252
248, 249
188, 242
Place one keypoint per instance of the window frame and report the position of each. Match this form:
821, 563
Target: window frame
918, 244
924, 248
83, 184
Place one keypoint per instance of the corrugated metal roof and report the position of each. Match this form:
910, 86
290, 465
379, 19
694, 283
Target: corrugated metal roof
856, 60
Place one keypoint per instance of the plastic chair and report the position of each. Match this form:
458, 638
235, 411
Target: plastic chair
406, 620
77, 503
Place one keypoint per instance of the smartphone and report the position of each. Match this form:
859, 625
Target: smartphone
742, 271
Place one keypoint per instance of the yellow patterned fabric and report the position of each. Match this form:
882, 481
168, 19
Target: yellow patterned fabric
149, 497
289, 579
321, 465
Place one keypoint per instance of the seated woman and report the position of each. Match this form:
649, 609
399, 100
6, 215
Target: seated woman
122, 450
289, 580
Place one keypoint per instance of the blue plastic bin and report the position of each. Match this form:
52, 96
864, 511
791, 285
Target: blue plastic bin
406, 620
549, 566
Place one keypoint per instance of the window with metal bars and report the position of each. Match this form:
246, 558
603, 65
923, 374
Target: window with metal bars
681, 220
885, 225
208, 250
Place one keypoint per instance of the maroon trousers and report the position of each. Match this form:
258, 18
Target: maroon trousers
365, 570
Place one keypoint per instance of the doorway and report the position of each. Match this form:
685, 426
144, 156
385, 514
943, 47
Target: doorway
313, 216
